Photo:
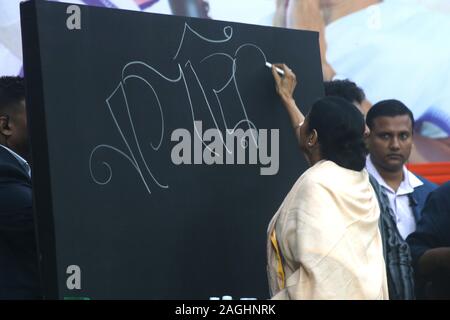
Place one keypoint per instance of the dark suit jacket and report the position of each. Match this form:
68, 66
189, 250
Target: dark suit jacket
19, 276
433, 231
419, 196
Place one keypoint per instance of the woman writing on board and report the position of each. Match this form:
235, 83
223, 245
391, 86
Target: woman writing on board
324, 241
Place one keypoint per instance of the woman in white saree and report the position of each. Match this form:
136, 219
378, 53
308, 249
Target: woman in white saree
324, 241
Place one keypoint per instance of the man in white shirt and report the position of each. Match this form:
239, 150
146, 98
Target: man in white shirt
390, 141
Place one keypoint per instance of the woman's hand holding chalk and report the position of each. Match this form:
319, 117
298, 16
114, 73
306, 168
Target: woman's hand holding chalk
269, 65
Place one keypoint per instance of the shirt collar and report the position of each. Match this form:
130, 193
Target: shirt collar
413, 181
21, 160
410, 181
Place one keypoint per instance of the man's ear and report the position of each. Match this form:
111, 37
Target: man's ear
5, 129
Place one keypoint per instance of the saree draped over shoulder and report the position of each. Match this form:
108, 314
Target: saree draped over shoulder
324, 241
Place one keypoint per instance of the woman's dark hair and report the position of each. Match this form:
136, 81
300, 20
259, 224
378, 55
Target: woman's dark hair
340, 127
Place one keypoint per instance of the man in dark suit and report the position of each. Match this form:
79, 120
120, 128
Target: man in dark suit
430, 246
19, 276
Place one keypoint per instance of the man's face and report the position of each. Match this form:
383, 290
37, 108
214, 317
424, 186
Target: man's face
18, 139
390, 142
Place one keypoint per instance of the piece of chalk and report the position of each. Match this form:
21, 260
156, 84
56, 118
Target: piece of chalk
280, 71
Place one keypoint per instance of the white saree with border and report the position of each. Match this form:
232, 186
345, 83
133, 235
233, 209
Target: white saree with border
328, 238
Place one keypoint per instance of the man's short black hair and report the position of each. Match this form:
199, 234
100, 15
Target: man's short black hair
345, 89
388, 108
12, 92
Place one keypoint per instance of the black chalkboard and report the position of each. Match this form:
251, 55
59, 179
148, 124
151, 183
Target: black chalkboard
124, 187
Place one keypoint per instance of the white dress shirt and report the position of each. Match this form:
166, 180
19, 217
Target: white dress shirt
399, 201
